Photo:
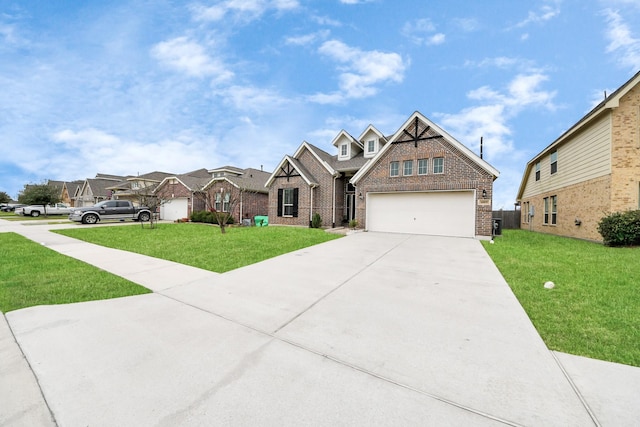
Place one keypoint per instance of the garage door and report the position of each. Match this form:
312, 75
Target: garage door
436, 213
174, 209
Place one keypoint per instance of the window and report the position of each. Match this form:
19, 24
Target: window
407, 167
217, 203
423, 166
343, 150
554, 162
537, 171
394, 169
288, 202
225, 203
524, 211
371, 146
438, 165
550, 210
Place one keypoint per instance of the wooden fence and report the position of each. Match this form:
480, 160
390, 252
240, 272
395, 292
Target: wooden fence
510, 219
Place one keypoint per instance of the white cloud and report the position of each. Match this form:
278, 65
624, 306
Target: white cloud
622, 42
491, 118
80, 152
361, 71
545, 13
421, 31
467, 24
188, 56
241, 10
307, 39
248, 98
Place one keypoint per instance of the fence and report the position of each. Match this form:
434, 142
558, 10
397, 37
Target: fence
510, 219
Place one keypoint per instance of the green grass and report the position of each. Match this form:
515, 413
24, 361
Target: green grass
203, 246
32, 274
594, 309
11, 216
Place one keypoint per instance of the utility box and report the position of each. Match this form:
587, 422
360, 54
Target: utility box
261, 220
497, 226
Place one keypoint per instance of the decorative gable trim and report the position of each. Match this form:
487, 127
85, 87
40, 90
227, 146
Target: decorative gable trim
423, 129
286, 169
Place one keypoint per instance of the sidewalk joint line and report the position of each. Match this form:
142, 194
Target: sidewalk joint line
576, 390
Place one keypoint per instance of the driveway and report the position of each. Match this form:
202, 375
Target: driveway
371, 329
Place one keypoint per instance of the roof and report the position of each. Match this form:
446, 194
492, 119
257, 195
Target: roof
434, 129
610, 102
304, 173
232, 169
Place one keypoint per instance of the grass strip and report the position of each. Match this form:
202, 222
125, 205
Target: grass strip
202, 245
33, 274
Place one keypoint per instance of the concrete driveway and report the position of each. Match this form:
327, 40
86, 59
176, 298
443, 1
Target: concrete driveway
370, 329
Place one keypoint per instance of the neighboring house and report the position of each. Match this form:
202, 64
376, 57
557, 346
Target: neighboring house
178, 194
246, 186
137, 188
591, 170
94, 190
69, 191
419, 180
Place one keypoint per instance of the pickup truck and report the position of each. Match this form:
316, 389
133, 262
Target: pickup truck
119, 210
37, 210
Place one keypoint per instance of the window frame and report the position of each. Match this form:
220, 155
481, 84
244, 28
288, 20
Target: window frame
545, 216
217, 203
407, 167
371, 146
553, 163
441, 166
287, 202
554, 210
344, 150
396, 169
425, 163
537, 169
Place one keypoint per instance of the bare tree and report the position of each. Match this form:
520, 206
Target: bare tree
147, 198
222, 202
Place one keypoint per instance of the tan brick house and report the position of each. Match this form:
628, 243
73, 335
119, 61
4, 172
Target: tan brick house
177, 194
591, 170
419, 180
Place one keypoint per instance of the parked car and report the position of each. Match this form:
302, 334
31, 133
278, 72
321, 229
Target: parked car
54, 209
10, 207
110, 210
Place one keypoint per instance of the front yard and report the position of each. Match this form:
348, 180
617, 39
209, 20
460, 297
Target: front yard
594, 309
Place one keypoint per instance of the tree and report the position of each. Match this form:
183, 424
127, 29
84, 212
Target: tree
39, 194
221, 202
4, 197
147, 198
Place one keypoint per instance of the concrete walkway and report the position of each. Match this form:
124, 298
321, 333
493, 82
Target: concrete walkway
371, 329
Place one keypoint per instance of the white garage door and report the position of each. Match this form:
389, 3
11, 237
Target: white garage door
174, 209
450, 213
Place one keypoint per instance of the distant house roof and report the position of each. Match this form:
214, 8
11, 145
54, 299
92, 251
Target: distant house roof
249, 179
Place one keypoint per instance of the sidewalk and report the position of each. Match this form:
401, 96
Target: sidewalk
388, 335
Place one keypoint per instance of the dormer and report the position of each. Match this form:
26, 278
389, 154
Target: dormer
225, 171
372, 141
348, 147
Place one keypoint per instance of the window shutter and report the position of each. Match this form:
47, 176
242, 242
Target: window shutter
280, 202
295, 202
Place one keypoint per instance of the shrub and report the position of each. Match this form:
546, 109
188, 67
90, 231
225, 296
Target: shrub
208, 217
316, 221
353, 223
620, 228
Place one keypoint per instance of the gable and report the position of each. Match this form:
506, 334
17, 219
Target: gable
372, 141
287, 169
420, 132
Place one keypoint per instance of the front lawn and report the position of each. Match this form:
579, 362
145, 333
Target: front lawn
202, 245
594, 309
32, 274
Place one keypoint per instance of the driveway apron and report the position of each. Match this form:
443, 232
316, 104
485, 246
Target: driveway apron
371, 329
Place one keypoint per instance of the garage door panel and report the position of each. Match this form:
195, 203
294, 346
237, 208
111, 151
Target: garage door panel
435, 213
174, 209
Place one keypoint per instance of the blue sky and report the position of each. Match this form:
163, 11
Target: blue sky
127, 87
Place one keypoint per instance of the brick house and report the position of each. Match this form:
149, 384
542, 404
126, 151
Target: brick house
137, 188
178, 194
241, 192
419, 180
94, 190
591, 170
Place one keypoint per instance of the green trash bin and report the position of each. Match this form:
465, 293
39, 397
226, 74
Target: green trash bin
261, 220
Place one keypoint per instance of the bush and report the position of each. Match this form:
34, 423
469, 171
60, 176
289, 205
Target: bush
208, 217
620, 228
353, 223
316, 221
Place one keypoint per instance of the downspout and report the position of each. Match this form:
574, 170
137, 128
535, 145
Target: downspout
240, 219
311, 206
333, 207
